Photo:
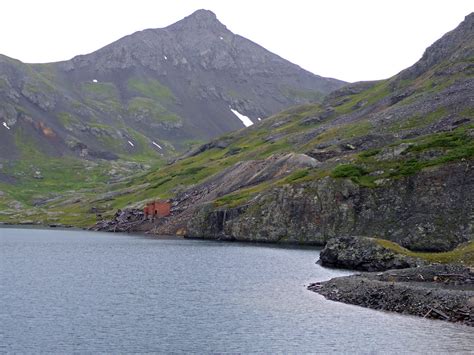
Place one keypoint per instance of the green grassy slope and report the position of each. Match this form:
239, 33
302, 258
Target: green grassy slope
310, 129
463, 254
367, 132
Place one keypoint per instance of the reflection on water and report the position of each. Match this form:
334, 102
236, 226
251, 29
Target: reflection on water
75, 291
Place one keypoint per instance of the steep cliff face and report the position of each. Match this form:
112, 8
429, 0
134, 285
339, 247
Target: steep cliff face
433, 210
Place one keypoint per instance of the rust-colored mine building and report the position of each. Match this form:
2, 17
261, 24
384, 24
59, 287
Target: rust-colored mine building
157, 209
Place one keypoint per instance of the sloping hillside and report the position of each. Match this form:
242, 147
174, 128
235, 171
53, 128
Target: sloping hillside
150, 94
392, 158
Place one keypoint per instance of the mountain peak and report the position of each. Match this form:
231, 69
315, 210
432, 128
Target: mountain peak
202, 15
168, 85
200, 19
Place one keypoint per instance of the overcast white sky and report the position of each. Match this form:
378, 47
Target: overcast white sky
345, 39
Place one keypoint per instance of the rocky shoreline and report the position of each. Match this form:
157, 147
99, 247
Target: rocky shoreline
396, 282
410, 286
443, 292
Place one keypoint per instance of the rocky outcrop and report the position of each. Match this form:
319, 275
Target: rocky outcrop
363, 253
459, 42
443, 292
432, 211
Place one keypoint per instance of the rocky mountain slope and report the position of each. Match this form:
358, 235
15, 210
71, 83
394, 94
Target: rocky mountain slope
395, 161
148, 94
391, 159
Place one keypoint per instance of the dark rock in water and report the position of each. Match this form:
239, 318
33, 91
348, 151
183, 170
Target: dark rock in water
444, 292
363, 253
58, 225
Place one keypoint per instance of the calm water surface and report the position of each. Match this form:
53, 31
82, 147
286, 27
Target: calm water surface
74, 291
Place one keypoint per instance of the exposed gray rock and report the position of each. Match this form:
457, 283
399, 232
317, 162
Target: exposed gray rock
249, 173
172, 85
432, 210
9, 115
443, 292
389, 153
16, 205
363, 253
352, 89
219, 143
444, 48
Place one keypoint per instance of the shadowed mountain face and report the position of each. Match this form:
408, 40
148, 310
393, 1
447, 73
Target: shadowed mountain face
149, 93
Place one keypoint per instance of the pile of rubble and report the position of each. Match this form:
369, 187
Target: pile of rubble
443, 292
123, 221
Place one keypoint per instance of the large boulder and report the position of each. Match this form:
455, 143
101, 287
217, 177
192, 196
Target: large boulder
363, 253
